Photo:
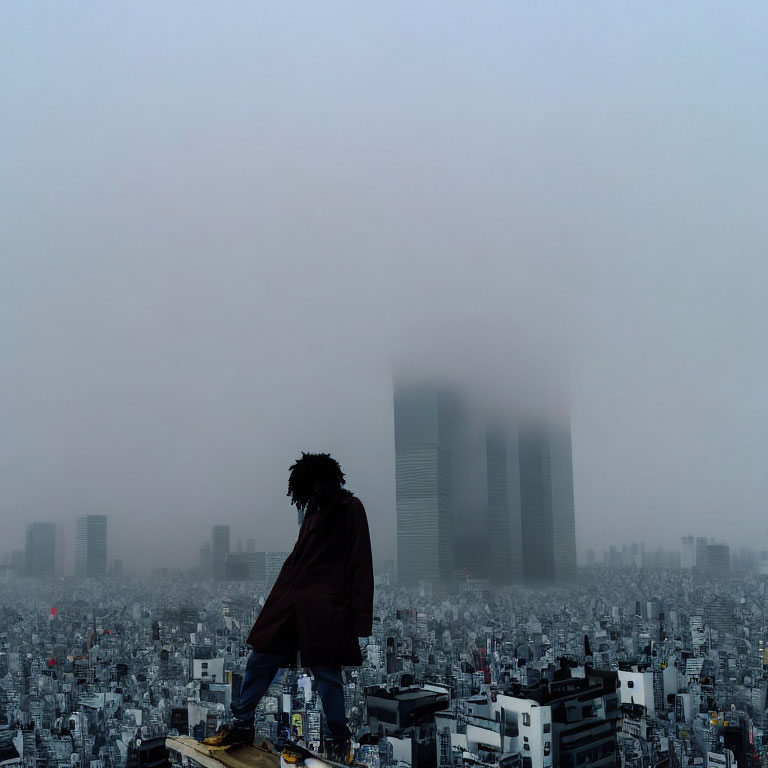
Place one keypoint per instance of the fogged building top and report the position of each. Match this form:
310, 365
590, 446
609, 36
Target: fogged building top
40, 549
91, 546
480, 496
219, 551
546, 500
425, 516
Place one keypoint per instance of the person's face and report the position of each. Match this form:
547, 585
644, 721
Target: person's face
324, 490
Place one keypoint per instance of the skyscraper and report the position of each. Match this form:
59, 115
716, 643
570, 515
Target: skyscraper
504, 533
425, 533
718, 560
91, 546
688, 557
546, 505
40, 549
492, 499
563, 513
219, 551
701, 561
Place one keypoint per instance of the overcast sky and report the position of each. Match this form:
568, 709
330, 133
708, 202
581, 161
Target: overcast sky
223, 226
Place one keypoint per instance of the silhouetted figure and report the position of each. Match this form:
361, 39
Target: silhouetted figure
321, 603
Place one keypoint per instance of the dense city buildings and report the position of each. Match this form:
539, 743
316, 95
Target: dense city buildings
40, 549
633, 666
91, 546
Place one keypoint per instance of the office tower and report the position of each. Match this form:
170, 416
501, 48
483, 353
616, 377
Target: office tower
250, 545
91, 546
464, 429
718, 560
118, 568
590, 558
546, 505
40, 549
688, 553
504, 531
425, 530
246, 566
219, 551
563, 513
701, 563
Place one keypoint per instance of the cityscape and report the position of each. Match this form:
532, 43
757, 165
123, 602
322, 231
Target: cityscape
490, 646
383, 384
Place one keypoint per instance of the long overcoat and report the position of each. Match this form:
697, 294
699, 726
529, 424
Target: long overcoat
322, 600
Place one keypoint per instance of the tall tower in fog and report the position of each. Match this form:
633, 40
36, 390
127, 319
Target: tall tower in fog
91, 546
546, 505
40, 549
219, 551
505, 565
425, 533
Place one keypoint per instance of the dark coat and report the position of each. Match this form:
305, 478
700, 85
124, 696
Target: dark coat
322, 600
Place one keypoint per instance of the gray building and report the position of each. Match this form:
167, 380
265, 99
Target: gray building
505, 564
91, 546
246, 566
546, 505
701, 561
718, 560
40, 549
219, 551
425, 522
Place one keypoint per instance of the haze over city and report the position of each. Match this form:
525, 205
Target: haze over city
226, 228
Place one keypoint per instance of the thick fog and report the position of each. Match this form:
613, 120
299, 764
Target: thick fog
225, 226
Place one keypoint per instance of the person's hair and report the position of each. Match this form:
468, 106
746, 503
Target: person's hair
305, 470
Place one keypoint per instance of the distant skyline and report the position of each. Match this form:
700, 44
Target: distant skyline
224, 229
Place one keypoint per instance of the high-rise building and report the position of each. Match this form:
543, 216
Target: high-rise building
425, 523
688, 553
219, 551
563, 512
246, 566
91, 546
701, 562
718, 560
546, 505
505, 564
40, 549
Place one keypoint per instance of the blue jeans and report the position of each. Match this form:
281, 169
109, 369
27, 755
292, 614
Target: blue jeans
260, 671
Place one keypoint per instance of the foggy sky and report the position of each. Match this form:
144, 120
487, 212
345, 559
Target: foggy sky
224, 226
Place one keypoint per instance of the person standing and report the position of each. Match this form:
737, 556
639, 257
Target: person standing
320, 605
